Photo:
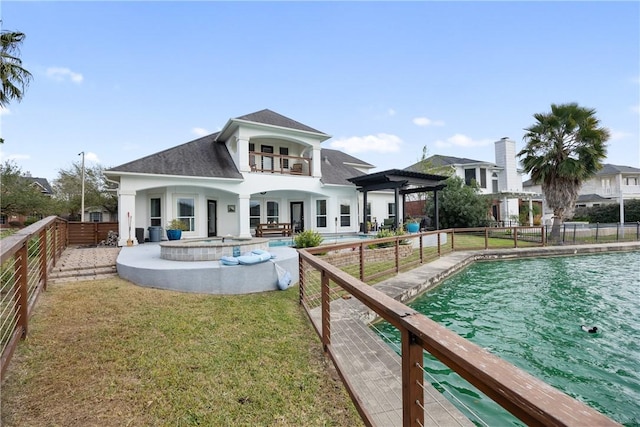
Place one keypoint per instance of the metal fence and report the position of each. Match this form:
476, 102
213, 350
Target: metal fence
25, 261
335, 279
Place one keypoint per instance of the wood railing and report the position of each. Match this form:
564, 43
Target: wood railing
26, 257
279, 163
526, 397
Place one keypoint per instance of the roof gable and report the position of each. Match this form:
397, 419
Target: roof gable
268, 117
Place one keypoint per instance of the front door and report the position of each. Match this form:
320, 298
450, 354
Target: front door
297, 216
211, 218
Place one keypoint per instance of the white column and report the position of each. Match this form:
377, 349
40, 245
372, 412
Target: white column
243, 154
126, 208
530, 211
242, 216
621, 204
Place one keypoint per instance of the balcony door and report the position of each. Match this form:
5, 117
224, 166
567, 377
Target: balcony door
267, 161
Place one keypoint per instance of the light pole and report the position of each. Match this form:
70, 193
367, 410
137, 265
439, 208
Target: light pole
82, 203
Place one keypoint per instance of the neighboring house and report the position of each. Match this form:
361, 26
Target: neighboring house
99, 214
611, 184
39, 183
501, 180
260, 168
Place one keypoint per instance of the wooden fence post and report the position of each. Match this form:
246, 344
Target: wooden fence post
412, 380
21, 291
326, 311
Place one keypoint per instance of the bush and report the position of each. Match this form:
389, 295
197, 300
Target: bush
307, 239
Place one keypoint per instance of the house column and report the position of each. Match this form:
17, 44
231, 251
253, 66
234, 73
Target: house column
242, 146
621, 201
364, 212
530, 211
242, 216
126, 207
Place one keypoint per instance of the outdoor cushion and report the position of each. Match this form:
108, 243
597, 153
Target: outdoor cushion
229, 260
249, 259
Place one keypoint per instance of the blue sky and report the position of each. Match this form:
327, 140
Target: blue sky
121, 80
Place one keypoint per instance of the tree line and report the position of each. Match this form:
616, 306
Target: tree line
21, 196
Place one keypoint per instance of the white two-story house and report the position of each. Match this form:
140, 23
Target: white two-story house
501, 180
261, 167
611, 184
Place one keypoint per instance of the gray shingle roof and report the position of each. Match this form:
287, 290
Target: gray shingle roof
201, 157
272, 118
583, 198
439, 161
42, 183
609, 169
337, 167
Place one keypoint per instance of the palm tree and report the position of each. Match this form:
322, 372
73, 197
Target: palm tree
14, 77
564, 148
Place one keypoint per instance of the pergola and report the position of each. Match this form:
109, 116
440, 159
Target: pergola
402, 182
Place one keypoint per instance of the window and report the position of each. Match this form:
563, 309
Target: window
284, 162
155, 215
95, 216
483, 178
187, 212
321, 213
345, 213
469, 176
391, 210
254, 213
494, 183
3, 219
368, 212
631, 180
273, 212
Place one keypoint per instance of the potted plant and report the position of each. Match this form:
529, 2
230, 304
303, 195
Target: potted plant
412, 225
175, 229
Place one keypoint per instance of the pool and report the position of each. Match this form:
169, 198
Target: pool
529, 312
327, 240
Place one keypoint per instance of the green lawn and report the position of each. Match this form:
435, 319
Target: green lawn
109, 353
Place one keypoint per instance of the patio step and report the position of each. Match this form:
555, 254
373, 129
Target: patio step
82, 273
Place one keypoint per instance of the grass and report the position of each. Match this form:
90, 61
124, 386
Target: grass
106, 353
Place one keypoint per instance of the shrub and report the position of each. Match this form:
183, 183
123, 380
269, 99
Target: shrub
307, 239
177, 224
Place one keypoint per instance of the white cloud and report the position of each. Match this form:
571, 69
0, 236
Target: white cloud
459, 140
89, 157
380, 143
391, 112
4, 156
200, 131
4, 111
616, 135
635, 109
424, 122
60, 74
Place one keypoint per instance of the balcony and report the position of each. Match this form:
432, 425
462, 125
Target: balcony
279, 163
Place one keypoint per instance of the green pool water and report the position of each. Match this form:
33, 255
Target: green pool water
529, 312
